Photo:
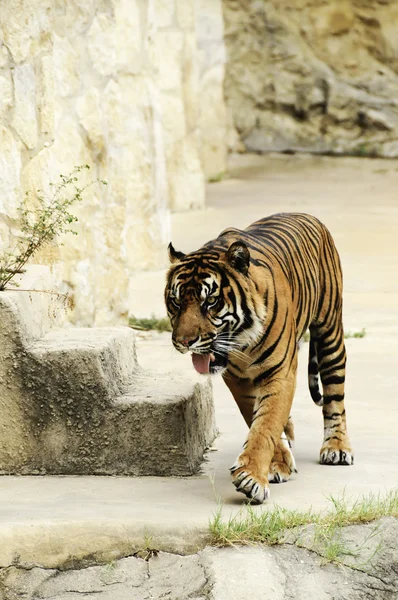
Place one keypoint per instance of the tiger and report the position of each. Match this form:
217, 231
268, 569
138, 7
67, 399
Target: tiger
241, 304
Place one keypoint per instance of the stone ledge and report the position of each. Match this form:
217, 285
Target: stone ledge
97, 361
74, 401
160, 426
220, 573
172, 421
69, 543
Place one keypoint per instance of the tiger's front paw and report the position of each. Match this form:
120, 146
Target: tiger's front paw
247, 480
336, 452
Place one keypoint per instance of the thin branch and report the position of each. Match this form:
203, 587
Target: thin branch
49, 221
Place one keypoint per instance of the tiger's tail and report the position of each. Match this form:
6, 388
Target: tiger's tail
313, 372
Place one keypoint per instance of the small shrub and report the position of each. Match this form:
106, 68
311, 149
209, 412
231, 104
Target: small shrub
39, 225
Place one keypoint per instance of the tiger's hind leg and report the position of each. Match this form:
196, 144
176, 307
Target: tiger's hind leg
283, 463
331, 356
289, 431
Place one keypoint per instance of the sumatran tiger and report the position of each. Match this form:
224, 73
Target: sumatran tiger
240, 305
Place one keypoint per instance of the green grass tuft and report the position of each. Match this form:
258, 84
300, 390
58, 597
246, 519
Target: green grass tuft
355, 334
273, 526
149, 324
249, 526
217, 177
347, 335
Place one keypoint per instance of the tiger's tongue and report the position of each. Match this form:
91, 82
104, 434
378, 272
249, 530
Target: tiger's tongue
201, 362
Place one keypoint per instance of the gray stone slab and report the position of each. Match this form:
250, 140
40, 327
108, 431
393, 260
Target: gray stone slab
243, 573
165, 576
292, 573
109, 581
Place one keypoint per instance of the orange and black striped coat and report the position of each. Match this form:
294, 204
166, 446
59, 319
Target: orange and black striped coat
240, 304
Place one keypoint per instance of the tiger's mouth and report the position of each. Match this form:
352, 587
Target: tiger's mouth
209, 362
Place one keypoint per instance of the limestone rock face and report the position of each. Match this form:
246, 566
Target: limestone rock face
313, 75
212, 109
122, 86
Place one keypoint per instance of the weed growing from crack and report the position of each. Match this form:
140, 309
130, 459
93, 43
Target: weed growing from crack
147, 552
332, 546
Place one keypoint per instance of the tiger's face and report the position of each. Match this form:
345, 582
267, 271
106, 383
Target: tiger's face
206, 300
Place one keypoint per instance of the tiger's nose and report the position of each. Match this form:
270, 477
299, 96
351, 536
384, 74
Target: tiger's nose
187, 342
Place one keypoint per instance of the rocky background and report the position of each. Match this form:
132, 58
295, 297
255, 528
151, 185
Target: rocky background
312, 75
152, 93
133, 88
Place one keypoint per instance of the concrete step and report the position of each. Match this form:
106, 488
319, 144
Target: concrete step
171, 419
74, 401
98, 361
160, 424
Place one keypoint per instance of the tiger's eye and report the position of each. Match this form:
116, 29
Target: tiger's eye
211, 301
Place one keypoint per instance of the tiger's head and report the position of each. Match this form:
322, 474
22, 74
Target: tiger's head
209, 300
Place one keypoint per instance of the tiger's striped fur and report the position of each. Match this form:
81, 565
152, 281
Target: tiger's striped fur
240, 304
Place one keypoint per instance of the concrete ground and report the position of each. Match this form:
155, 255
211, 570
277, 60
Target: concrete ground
284, 572
53, 520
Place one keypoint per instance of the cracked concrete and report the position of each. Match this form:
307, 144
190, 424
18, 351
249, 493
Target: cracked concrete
285, 572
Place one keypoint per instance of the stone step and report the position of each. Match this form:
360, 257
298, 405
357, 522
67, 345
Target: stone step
75, 401
171, 419
98, 361
160, 425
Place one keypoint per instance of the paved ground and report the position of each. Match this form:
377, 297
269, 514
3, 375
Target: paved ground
49, 520
277, 573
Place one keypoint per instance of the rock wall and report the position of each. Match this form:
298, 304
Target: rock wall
128, 87
313, 75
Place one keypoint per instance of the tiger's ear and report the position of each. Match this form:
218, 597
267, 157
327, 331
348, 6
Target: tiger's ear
238, 256
174, 255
